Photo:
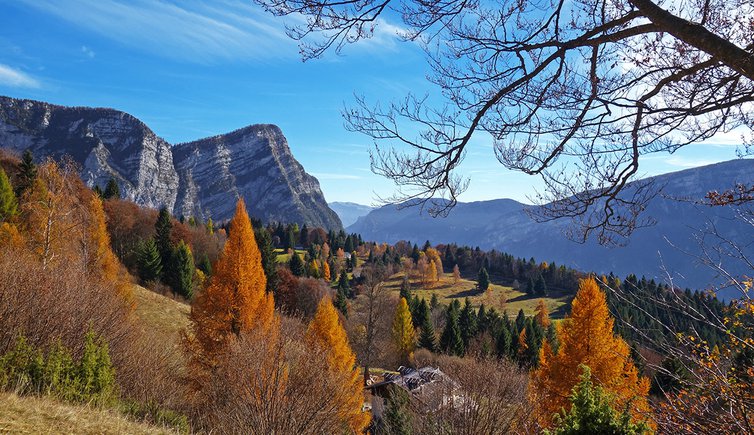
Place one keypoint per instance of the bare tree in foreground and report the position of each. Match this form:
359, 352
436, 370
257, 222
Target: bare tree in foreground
575, 92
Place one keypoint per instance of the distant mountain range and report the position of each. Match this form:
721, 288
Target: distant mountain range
203, 178
349, 212
654, 251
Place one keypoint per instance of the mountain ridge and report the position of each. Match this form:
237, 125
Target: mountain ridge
655, 251
108, 143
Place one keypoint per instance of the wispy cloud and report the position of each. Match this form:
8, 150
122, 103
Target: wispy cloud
685, 162
190, 31
334, 176
88, 52
15, 78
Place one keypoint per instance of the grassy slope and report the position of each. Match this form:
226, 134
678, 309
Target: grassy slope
40, 415
515, 300
161, 314
46, 415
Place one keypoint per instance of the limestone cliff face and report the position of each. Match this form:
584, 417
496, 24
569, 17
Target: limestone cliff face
201, 178
104, 142
254, 163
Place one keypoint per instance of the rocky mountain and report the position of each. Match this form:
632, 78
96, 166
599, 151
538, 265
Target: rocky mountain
104, 142
349, 212
668, 248
201, 178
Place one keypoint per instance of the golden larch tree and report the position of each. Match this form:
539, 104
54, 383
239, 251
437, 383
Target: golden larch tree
543, 314
587, 337
96, 253
404, 335
431, 276
326, 332
325, 271
433, 256
235, 301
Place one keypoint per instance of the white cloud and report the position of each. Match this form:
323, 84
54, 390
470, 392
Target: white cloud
190, 31
88, 52
334, 176
16, 79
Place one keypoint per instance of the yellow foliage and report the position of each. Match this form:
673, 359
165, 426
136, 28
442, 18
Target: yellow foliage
235, 300
543, 314
586, 337
404, 335
326, 271
431, 277
95, 243
326, 332
10, 236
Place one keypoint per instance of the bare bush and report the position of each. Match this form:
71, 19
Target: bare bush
273, 384
484, 396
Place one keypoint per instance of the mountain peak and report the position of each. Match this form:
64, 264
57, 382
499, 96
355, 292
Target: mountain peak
201, 178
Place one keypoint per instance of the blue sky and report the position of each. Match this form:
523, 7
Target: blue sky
195, 69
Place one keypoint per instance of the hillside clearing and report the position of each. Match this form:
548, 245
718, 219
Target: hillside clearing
446, 290
161, 313
43, 415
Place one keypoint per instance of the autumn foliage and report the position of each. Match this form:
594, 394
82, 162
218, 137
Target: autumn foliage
326, 332
235, 300
404, 335
586, 338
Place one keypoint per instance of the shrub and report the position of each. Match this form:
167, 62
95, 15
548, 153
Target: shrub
28, 370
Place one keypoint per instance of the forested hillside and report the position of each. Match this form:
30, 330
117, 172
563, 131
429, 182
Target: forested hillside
244, 326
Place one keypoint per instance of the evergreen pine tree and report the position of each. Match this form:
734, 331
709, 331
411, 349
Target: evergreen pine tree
163, 227
540, 286
149, 262
503, 343
297, 266
405, 288
451, 341
483, 280
112, 190
27, 173
520, 320
269, 258
340, 302
467, 322
530, 287
433, 302
481, 319
204, 264
303, 237
97, 191
182, 271
397, 415
415, 253
8, 202
343, 285
427, 337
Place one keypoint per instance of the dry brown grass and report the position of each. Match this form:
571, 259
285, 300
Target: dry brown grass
161, 313
35, 415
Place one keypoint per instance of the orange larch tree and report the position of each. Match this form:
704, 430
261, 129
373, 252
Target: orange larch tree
235, 300
326, 332
543, 315
587, 337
